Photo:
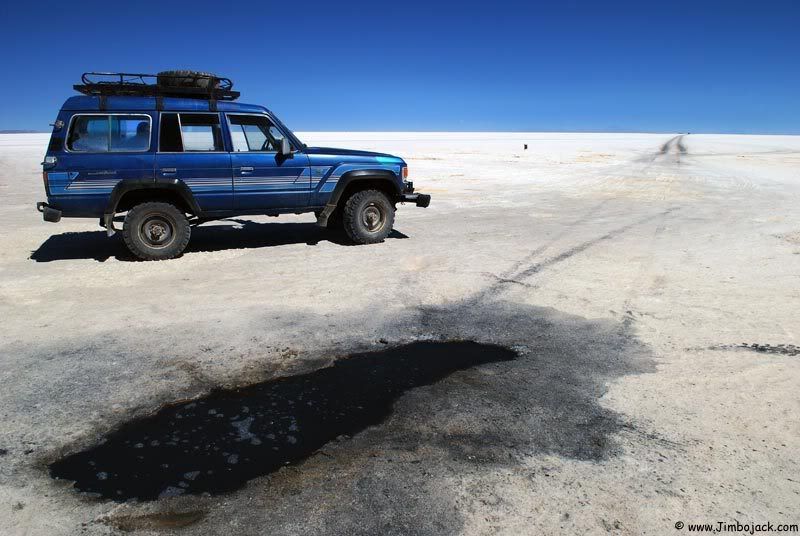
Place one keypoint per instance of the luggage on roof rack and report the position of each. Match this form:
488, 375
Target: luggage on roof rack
186, 84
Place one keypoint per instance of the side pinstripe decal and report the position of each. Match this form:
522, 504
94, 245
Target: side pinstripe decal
69, 182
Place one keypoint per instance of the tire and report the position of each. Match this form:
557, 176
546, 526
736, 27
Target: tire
197, 79
155, 231
368, 217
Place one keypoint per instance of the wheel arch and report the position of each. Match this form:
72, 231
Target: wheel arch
355, 181
360, 179
126, 194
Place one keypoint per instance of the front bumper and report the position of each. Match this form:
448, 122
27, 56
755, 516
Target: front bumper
421, 200
408, 196
48, 213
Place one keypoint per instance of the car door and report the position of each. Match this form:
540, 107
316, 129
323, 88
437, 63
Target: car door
262, 177
192, 149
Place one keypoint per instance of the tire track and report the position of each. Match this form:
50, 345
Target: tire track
674, 146
628, 303
508, 274
580, 248
516, 274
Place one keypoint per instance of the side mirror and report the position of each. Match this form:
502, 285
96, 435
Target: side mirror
286, 148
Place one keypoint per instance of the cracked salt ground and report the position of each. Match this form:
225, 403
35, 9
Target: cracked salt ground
217, 443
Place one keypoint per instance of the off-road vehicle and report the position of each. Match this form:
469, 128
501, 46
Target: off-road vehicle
174, 150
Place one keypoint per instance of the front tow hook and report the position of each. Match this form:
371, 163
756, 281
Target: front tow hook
421, 200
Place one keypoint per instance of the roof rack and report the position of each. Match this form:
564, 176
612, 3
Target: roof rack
186, 84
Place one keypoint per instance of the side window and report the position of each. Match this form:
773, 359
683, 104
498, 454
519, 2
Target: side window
190, 132
201, 132
129, 133
88, 134
109, 133
254, 133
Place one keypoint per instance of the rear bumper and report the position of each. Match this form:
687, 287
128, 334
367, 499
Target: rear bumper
48, 213
421, 200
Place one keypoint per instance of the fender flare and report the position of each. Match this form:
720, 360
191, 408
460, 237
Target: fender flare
126, 186
175, 185
354, 176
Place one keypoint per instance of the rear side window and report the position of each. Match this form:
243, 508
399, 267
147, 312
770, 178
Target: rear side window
103, 133
190, 132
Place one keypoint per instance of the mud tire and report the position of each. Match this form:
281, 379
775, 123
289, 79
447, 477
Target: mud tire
368, 217
156, 231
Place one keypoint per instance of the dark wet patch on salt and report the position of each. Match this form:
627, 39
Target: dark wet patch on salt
778, 349
218, 443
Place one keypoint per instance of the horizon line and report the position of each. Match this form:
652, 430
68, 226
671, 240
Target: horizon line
514, 131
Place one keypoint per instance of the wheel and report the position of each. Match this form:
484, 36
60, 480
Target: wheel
368, 217
185, 79
155, 231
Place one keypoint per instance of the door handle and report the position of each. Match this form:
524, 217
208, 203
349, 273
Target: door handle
168, 171
247, 169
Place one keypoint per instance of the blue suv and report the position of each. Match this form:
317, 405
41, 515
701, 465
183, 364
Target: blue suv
174, 150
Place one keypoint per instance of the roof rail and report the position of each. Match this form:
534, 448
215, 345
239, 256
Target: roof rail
185, 84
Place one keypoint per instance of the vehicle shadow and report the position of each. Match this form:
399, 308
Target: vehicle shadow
245, 235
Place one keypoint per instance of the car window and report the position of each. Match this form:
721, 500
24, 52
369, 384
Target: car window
254, 133
190, 132
101, 133
129, 133
201, 132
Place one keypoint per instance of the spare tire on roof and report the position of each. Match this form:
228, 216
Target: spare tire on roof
196, 79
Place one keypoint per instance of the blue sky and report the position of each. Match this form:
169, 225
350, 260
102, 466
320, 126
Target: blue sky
490, 65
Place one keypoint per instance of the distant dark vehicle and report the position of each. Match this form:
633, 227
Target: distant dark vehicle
174, 150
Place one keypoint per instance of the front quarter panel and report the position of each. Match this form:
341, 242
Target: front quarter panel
328, 169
